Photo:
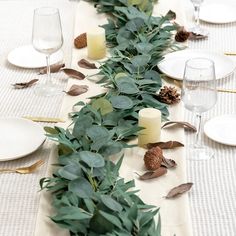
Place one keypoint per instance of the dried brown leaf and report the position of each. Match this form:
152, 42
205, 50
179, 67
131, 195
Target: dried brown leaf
179, 190
165, 145
73, 73
170, 15
53, 68
168, 163
24, 84
181, 123
153, 174
194, 36
76, 90
86, 64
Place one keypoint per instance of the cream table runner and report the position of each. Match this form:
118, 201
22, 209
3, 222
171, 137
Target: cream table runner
174, 213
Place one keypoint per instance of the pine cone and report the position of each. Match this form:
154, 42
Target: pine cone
81, 41
182, 35
168, 95
153, 158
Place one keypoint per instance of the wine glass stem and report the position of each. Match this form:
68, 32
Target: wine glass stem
196, 14
198, 140
49, 78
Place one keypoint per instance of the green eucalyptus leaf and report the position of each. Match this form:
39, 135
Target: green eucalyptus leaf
140, 60
99, 135
144, 47
50, 130
103, 105
111, 203
72, 213
81, 187
100, 224
121, 102
81, 124
111, 218
153, 75
127, 86
111, 148
135, 25
92, 159
70, 172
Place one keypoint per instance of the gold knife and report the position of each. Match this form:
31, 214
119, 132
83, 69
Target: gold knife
226, 90
230, 53
44, 119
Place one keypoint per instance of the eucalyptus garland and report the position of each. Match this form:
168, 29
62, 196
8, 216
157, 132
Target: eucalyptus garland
89, 195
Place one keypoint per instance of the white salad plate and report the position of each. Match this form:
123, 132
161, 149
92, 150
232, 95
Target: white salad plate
27, 57
173, 63
222, 129
218, 13
19, 137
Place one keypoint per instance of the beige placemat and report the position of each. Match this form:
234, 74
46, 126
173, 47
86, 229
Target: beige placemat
174, 213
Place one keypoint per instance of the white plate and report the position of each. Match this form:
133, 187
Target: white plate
222, 129
174, 63
27, 57
218, 13
19, 137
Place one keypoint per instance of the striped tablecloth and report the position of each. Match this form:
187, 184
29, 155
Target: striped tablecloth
213, 205
19, 196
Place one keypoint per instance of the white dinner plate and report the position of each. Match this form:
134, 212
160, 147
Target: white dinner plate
222, 129
218, 13
174, 63
19, 137
27, 57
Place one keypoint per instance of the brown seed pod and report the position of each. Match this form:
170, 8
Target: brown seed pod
81, 41
153, 158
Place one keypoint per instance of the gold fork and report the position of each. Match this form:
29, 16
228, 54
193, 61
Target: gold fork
26, 169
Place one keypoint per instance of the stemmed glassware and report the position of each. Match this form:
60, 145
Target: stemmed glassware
199, 95
197, 29
47, 38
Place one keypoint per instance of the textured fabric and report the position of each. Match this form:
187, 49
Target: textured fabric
174, 214
19, 196
213, 206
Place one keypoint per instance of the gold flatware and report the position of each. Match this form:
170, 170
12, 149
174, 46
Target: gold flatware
26, 169
226, 90
175, 82
230, 53
44, 119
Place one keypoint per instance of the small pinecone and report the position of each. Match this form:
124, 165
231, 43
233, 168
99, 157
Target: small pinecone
169, 95
182, 35
153, 158
81, 41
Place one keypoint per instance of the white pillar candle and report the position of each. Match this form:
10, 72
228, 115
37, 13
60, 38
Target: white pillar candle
150, 119
96, 42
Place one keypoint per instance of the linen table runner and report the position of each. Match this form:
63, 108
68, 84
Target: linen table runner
174, 213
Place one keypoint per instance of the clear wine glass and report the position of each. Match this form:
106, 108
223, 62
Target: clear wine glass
199, 95
47, 38
197, 29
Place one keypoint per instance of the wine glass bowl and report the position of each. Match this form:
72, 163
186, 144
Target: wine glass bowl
47, 38
199, 95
